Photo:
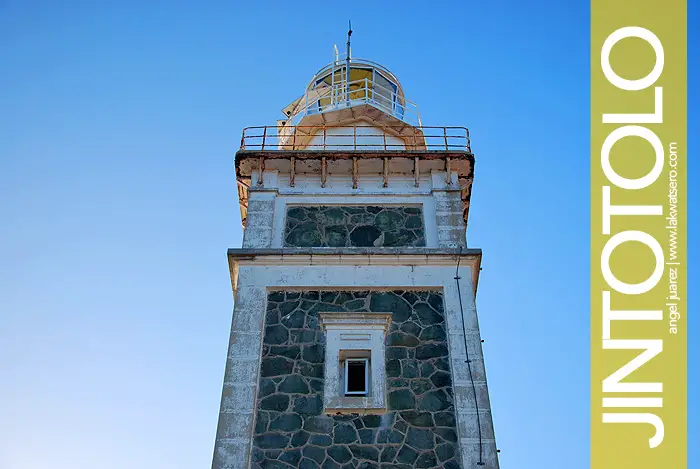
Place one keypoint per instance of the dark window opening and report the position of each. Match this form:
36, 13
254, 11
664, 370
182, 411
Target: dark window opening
356, 377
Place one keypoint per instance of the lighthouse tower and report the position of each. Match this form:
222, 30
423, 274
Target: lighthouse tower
355, 342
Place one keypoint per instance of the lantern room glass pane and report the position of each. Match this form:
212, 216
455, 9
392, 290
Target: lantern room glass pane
365, 84
384, 92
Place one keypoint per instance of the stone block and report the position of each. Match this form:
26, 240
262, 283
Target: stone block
245, 345
257, 237
234, 425
468, 424
235, 398
241, 371
464, 396
471, 452
231, 454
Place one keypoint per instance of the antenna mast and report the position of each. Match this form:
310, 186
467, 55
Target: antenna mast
347, 64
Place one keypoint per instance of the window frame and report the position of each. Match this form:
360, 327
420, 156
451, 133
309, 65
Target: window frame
346, 377
355, 336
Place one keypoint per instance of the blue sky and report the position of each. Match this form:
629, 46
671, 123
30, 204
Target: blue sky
118, 127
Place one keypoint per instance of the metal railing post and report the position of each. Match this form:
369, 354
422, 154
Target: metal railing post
264, 137
444, 131
324, 138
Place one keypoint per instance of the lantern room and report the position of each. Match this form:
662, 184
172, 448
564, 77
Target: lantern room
351, 92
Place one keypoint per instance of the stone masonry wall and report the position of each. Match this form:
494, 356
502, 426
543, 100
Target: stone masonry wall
354, 226
417, 432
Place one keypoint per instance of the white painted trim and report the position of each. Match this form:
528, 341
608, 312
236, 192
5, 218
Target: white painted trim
347, 332
470, 261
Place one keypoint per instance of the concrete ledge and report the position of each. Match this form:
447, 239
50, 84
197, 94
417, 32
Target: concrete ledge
447, 257
240, 253
345, 154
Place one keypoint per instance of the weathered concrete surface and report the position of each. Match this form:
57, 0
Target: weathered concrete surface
256, 276
264, 265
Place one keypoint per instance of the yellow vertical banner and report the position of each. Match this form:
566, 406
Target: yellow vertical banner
638, 234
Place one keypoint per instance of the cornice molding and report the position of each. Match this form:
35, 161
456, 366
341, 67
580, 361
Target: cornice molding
331, 257
354, 321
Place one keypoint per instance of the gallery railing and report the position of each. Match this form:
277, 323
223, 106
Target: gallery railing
355, 138
343, 94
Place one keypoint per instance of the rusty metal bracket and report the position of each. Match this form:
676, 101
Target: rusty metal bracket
448, 170
386, 172
354, 173
261, 168
292, 162
416, 171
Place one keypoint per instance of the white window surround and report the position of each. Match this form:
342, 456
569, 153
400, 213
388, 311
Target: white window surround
347, 332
